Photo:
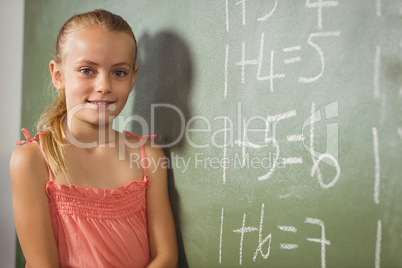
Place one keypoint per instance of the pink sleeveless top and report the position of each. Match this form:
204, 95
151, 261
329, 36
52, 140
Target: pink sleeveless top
99, 227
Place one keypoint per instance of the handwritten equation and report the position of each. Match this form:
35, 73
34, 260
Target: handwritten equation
263, 244
270, 63
248, 60
380, 96
270, 138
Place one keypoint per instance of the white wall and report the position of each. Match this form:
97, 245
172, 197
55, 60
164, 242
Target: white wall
11, 51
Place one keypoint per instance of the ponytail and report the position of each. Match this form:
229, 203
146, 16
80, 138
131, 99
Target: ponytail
53, 141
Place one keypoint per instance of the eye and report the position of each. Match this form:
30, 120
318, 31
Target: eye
120, 73
86, 71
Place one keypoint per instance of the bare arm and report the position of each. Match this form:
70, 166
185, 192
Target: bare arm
161, 227
31, 207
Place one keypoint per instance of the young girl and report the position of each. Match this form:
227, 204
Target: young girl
79, 199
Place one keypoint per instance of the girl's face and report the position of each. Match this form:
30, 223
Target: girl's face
97, 74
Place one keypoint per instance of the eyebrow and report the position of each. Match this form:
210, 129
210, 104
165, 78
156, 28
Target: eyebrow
96, 64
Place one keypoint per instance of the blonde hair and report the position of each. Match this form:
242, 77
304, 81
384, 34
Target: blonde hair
54, 117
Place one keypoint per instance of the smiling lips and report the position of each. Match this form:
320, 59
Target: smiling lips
101, 103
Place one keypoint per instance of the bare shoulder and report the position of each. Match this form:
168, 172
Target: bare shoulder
29, 177
156, 159
129, 139
27, 163
157, 164
153, 150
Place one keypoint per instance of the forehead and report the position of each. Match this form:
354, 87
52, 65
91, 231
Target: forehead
100, 46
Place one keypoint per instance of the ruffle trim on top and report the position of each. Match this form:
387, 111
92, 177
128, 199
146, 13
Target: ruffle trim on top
94, 203
122, 202
96, 193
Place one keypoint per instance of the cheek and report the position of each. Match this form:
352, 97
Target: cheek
72, 95
123, 90
123, 102
76, 88
75, 95
124, 97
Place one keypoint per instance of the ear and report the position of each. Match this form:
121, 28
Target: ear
134, 77
57, 75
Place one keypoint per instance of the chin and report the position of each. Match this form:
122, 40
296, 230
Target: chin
101, 121
95, 117
97, 120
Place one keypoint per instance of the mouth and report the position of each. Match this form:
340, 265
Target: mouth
100, 103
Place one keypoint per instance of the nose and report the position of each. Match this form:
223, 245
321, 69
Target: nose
103, 84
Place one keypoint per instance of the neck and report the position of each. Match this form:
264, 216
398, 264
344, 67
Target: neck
85, 135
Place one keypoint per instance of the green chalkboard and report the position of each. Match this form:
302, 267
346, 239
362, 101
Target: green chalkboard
282, 121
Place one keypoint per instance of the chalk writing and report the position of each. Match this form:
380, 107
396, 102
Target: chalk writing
247, 47
377, 66
295, 137
287, 228
377, 168
284, 196
242, 231
227, 15
320, 53
246, 143
323, 241
378, 8
294, 59
318, 157
225, 93
320, 4
272, 75
263, 245
288, 246
262, 62
221, 239
378, 245
243, 63
242, 3
270, 13
261, 242
271, 138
